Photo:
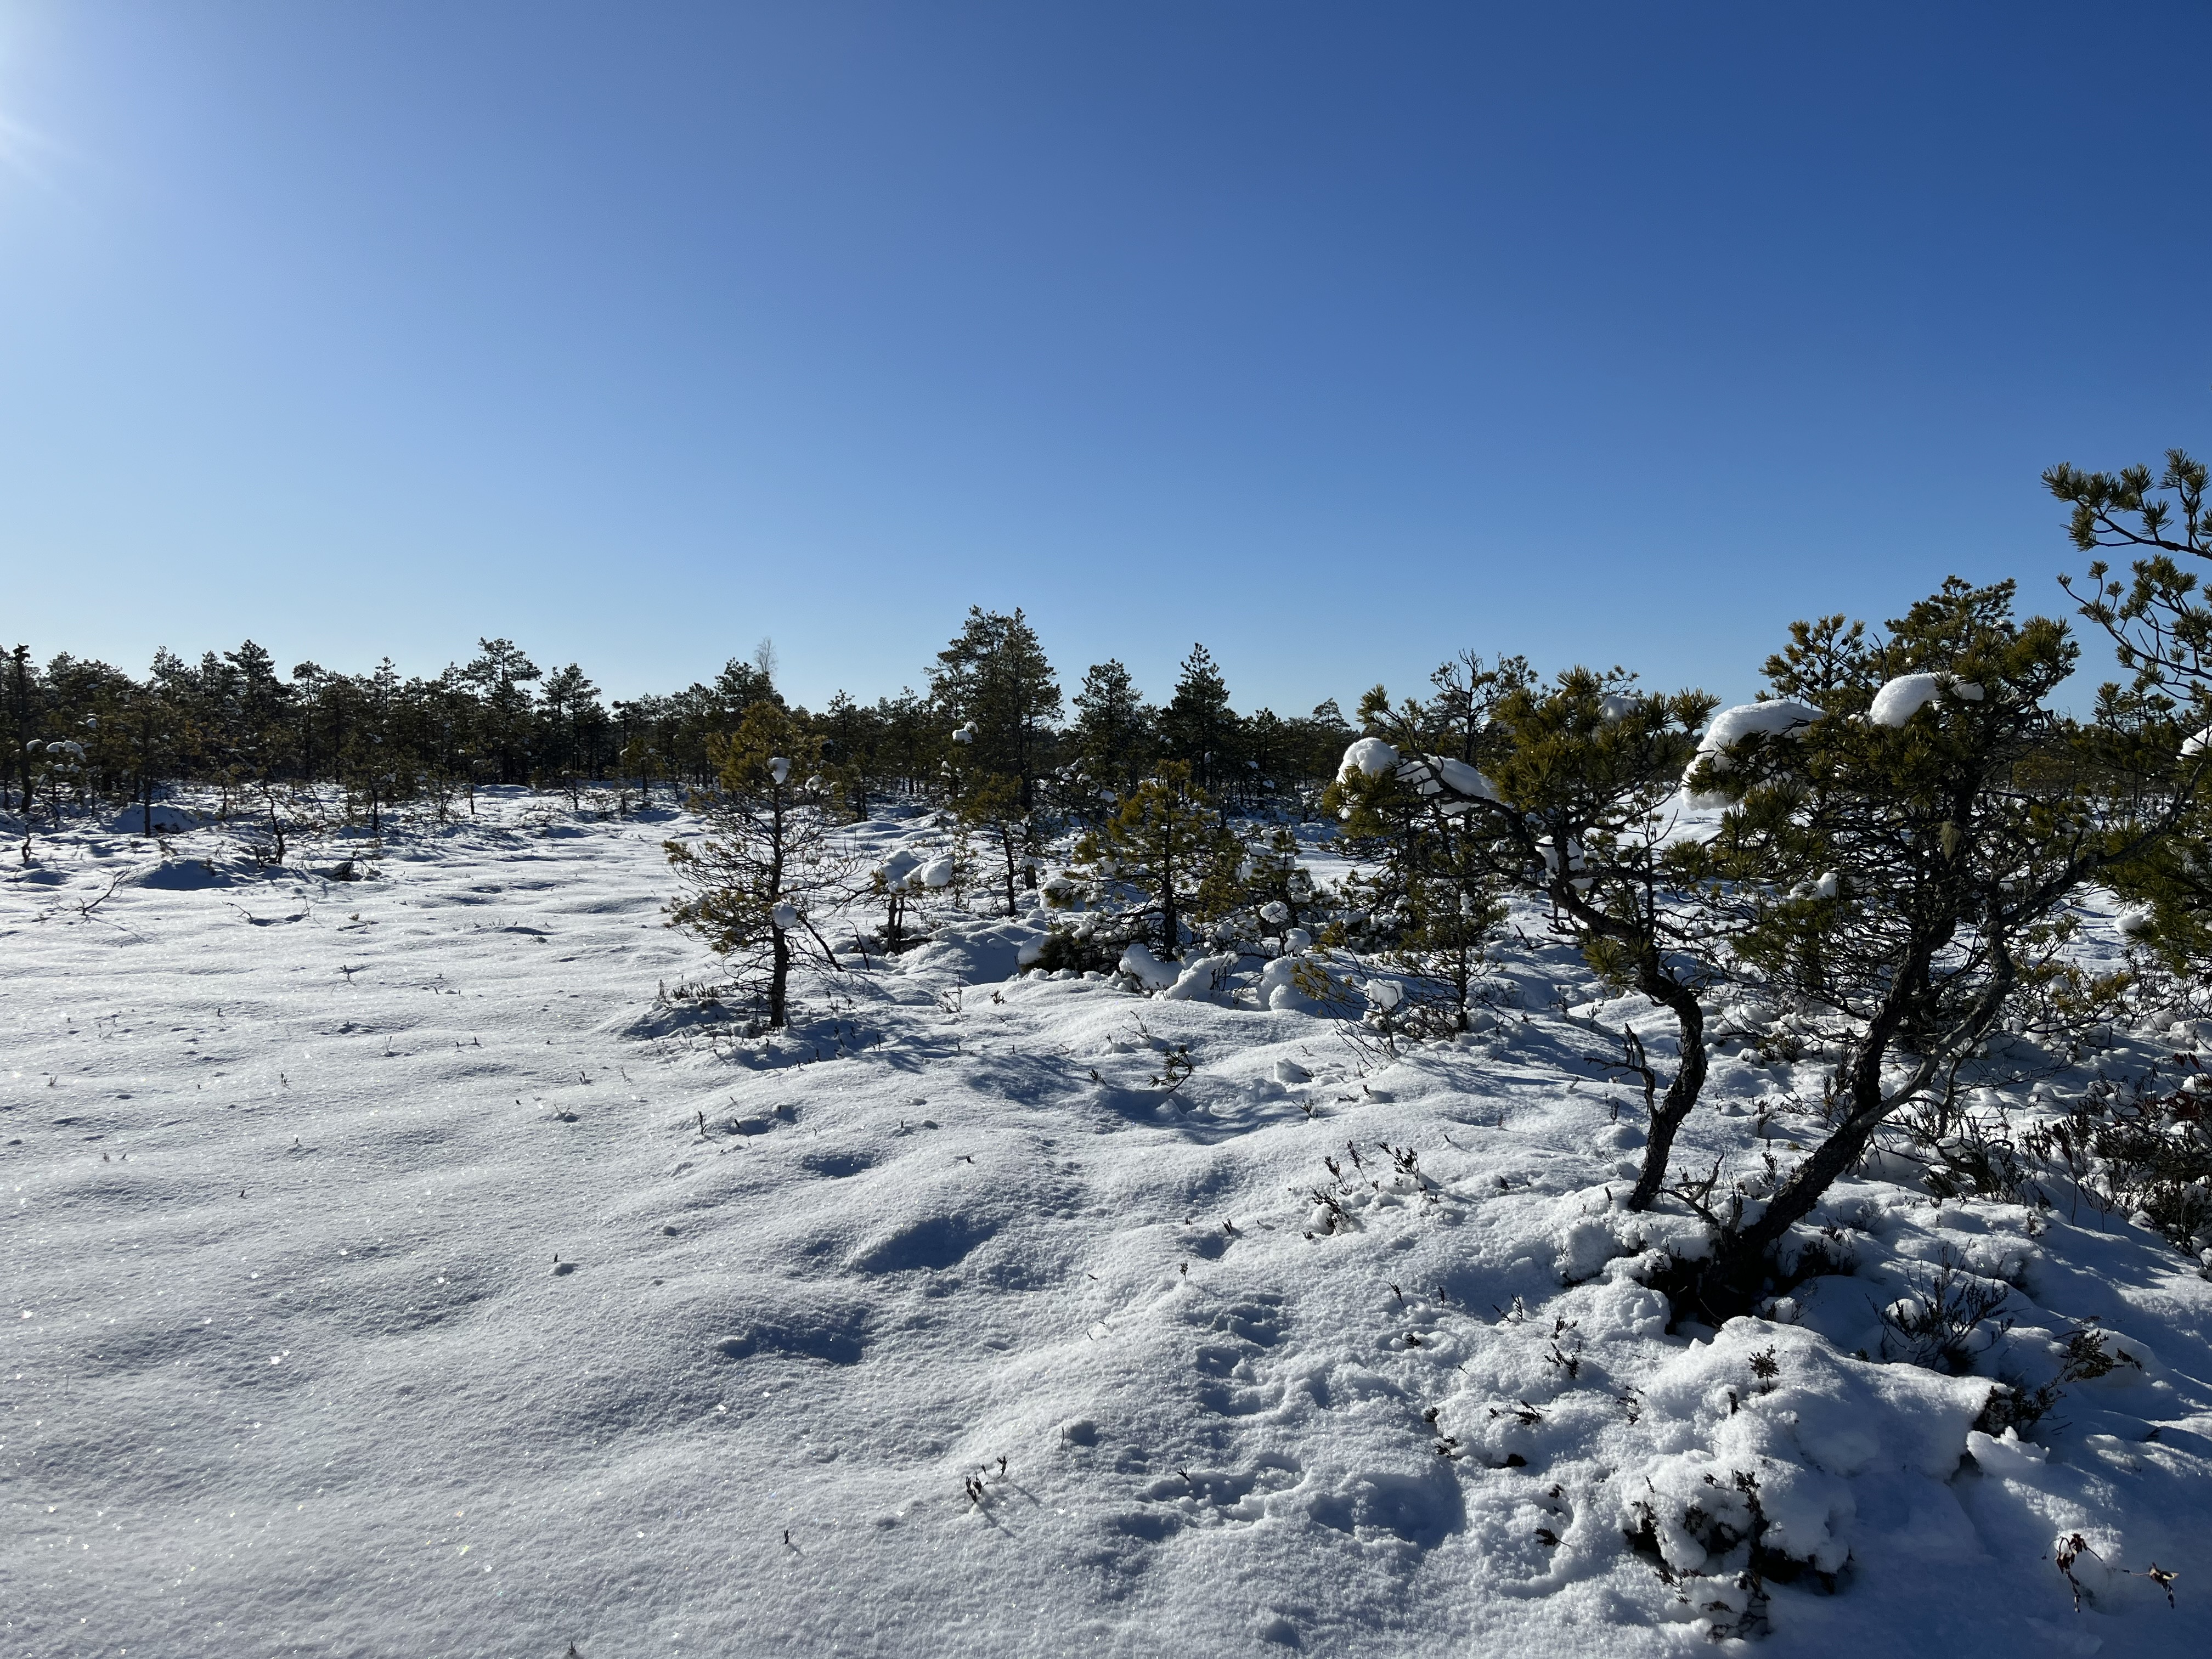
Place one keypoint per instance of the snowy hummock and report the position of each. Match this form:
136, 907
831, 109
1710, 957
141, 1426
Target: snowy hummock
417, 1264
1150, 971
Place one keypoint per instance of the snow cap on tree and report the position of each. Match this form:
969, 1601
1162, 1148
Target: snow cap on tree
1780, 717
1901, 698
1369, 755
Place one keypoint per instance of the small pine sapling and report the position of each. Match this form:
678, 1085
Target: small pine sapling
749, 886
1165, 845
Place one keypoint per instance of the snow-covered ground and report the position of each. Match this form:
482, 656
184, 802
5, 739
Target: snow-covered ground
390, 1270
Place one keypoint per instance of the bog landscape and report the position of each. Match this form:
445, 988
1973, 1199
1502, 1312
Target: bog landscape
1543, 1165
1177, 831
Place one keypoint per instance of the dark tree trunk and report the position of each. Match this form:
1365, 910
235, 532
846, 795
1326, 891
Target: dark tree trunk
778, 977
1682, 1092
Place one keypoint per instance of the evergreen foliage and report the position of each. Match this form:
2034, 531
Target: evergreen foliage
1902, 881
2158, 618
995, 689
748, 888
1571, 809
262, 741
1112, 741
1198, 727
1167, 844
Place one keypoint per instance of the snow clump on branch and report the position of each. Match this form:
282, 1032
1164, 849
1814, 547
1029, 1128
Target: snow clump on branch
1778, 717
1426, 774
1900, 699
1369, 755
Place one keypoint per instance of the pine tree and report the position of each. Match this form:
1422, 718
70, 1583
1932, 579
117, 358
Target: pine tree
1197, 727
260, 723
991, 807
1899, 869
742, 683
569, 705
1451, 908
373, 768
500, 677
767, 862
1112, 735
142, 736
1580, 771
73, 765
2158, 619
910, 745
1455, 720
1165, 841
1276, 885
995, 684
1587, 767
2160, 623
23, 723
1469, 689
851, 737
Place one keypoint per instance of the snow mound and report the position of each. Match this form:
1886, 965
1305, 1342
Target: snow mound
193, 875
1149, 970
976, 952
1202, 977
167, 820
1287, 982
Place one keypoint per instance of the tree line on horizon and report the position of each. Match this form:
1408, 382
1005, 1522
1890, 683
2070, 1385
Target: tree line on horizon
75, 733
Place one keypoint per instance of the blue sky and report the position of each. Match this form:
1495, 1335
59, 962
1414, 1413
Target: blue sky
1338, 338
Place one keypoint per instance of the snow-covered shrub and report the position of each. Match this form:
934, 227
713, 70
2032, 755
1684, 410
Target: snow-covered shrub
1148, 971
2140, 1150
1073, 944
1945, 1322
